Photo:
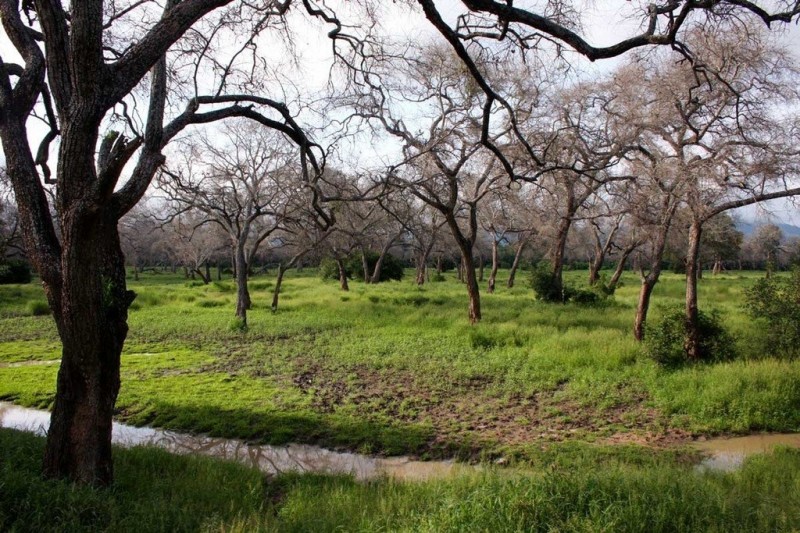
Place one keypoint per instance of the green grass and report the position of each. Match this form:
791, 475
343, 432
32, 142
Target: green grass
398, 369
155, 491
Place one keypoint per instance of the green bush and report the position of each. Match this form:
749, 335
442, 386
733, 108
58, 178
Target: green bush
664, 341
776, 301
544, 284
15, 272
329, 270
237, 325
38, 308
391, 268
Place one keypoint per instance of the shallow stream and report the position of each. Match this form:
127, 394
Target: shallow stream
723, 454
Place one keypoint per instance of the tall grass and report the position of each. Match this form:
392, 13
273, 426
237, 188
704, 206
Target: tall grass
155, 491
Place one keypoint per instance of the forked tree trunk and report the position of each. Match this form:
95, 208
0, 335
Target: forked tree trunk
692, 340
515, 265
92, 324
495, 265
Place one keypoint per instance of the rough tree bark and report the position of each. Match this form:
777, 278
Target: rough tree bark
692, 340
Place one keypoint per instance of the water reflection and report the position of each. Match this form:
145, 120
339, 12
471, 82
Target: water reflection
269, 459
728, 454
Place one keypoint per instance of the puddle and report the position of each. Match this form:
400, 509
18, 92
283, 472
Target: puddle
268, 459
728, 454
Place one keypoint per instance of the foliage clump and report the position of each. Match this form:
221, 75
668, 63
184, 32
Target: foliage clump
664, 341
545, 286
391, 268
776, 301
15, 272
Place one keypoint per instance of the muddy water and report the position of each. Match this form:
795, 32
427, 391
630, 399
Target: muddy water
269, 459
728, 454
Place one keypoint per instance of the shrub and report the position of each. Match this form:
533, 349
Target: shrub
664, 341
438, 277
329, 270
543, 283
776, 301
391, 268
15, 272
38, 308
237, 325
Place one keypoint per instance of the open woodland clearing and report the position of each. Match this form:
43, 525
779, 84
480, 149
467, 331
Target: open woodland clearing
395, 368
555, 389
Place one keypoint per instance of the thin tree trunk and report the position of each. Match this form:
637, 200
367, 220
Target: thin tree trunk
557, 255
242, 290
439, 267
365, 265
473, 289
692, 340
480, 267
278, 282
495, 266
376, 272
207, 278
421, 270
342, 275
614, 281
642, 307
515, 265
219, 270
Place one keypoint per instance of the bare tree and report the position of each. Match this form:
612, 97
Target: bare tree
242, 181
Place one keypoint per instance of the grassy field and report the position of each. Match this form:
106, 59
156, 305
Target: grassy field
562, 391
396, 369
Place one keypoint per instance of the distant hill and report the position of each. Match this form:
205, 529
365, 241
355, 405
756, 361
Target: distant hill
748, 228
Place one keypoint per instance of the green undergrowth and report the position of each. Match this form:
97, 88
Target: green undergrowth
397, 369
156, 491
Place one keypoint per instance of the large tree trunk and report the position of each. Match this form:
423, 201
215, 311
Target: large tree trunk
242, 290
92, 324
692, 340
515, 265
495, 266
